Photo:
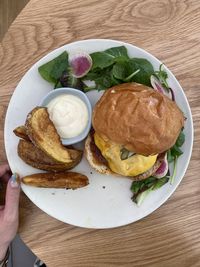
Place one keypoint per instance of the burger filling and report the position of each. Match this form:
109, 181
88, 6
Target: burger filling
132, 166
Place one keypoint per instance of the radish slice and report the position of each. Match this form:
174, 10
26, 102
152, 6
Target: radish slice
156, 84
163, 169
80, 64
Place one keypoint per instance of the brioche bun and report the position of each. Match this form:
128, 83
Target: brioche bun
139, 118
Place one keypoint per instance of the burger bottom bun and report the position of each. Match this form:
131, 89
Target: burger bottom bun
101, 167
92, 158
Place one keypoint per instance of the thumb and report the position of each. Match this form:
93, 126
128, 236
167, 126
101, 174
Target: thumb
12, 198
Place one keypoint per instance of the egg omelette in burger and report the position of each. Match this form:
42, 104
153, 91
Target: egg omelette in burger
133, 125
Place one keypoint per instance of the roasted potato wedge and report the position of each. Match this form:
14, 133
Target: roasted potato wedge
43, 134
38, 159
71, 180
21, 132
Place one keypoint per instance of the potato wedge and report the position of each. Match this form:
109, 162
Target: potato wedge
43, 134
21, 132
71, 180
38, 159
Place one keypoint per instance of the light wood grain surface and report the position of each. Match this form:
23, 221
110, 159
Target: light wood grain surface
168, 29
9, 9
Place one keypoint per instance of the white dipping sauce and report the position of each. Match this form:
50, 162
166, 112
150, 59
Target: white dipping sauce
69, 115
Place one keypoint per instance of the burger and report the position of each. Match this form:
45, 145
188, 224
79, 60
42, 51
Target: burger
133, 127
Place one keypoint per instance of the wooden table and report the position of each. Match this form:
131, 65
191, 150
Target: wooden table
168, 29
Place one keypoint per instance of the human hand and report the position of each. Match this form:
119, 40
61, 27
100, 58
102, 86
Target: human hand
9, 212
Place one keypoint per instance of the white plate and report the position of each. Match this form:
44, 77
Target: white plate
106, 202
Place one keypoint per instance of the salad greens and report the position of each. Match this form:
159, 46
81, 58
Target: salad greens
142, 188
53, 70
162, 76
175, 151
58, 72
112, 67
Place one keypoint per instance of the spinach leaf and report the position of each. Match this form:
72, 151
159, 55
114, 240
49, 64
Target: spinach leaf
103, 82
93, 75
121, 70
102, 77
114, 80
58, 85
146, 70
136, 69
130, 77
175, 151
52, 70
60, 65
113, 66
170, 158
109, 57
181, 139
101, 60
117, 52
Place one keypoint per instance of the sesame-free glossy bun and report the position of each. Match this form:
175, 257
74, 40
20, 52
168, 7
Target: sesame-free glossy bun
139, 118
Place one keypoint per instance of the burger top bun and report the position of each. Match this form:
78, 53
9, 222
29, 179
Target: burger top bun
139, 118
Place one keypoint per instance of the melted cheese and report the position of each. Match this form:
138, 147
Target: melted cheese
132, 166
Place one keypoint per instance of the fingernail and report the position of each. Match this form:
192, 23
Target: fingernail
14, 180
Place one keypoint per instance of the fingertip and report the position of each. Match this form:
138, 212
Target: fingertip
15, 181
12, 197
